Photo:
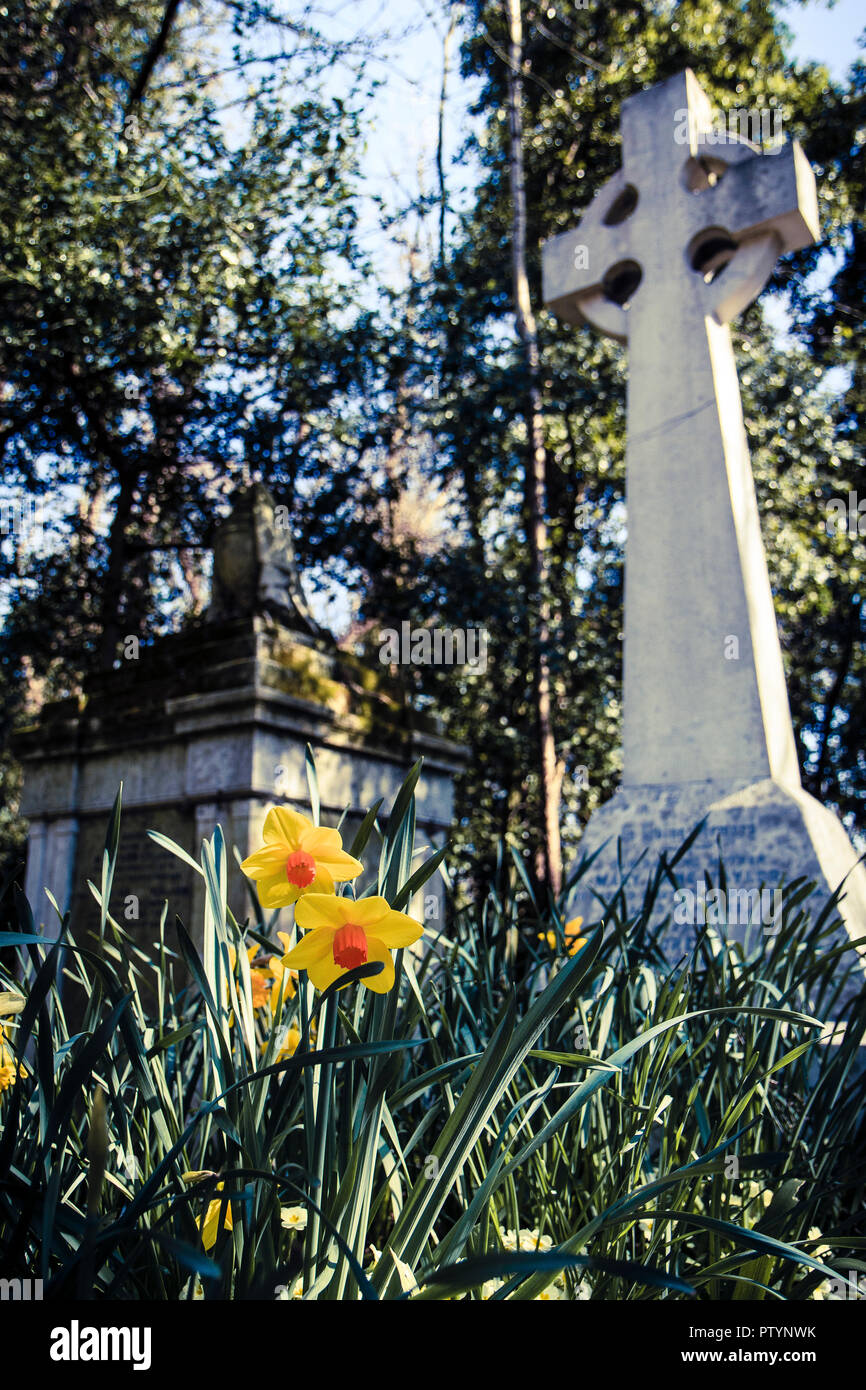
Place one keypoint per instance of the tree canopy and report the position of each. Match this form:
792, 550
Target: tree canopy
186, 306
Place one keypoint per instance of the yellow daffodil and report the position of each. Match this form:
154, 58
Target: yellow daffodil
573, 941
9, 1073
268, 981
260, 984
342, 934
210, 1224
289, 1045
297, 858
288, 1041
260, 989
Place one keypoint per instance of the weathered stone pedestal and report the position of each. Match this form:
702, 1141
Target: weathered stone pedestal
210, 727
765, 834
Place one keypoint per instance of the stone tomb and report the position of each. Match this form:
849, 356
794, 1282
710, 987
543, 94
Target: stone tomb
210, 727
677, 243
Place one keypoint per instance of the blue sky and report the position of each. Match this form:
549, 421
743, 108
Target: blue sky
402, 142
827, 35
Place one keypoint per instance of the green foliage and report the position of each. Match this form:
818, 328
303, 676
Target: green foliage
507, 1123
175, 312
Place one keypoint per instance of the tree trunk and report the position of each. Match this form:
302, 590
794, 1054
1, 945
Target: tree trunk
535, 475
440, 140
112, 591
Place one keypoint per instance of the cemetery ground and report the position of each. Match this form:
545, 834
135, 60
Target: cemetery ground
550, 1114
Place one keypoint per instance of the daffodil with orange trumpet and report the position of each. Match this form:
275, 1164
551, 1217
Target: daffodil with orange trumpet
573, 940
297, 857
342, 934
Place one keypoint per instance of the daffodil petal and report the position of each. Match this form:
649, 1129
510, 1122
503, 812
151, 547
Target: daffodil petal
322, 883
377, 950
277, 891
342, 866
398, 930
322, 910
367, 912
315, 946
210, 1225
286, 826
321, 842
325, 971
266, 862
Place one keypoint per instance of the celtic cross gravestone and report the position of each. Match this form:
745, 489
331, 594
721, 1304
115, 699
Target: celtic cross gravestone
681, 239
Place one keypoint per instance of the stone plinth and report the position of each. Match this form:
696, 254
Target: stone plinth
766, 835
210, 726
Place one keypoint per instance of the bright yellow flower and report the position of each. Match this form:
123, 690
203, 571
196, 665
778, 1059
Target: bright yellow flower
291, 1037
297, 858
342, 934
268, 981
259, 981
573, 941
289, 1046
260, 989
9, 1073
210, 1224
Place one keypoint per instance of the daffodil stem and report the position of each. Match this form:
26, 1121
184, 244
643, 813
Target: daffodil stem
320, 1148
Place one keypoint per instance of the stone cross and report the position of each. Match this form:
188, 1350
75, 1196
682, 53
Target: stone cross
677, 243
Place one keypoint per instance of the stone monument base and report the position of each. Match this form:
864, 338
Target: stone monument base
211, 727
765, 834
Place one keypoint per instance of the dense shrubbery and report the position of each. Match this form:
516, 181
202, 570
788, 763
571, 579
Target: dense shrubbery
514, 1119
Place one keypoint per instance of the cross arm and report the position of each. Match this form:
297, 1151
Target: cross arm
574, 265
767, 193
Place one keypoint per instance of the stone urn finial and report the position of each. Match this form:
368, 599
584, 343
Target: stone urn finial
254, 568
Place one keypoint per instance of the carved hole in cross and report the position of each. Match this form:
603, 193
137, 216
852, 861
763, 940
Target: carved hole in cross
621, 281
703, 171
710, 251
622, 206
